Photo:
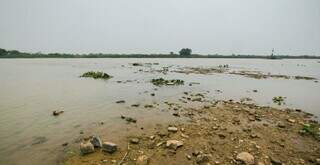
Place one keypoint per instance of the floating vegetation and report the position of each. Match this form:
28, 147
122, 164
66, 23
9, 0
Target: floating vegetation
278, 100
161, 81
304, 78
96, 75
312, 130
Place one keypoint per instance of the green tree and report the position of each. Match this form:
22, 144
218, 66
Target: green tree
3, 52
185, 52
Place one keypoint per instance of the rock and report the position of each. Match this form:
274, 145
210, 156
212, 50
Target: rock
134, 140
172, 129
96, 141
135, 105
176, 114
275, 161
255, 90
109, 147
318, 161
203, 158
152, 94
174, 144
260, 163
65, 144
56, 113
281, 125
245, 158
291, 120
148, 106
120, 101
152, 137
142, 160
86, 148
188, 156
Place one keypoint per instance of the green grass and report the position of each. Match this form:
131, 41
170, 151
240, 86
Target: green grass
162, 81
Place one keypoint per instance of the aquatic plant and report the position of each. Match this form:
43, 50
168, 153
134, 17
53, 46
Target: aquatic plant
96, 75
162, 81
278, 100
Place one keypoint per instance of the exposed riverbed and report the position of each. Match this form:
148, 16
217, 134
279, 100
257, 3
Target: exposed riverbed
31, 89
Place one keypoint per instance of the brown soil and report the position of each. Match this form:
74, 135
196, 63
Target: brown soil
218, 131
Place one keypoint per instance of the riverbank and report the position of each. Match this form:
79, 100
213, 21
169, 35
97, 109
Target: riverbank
222, 132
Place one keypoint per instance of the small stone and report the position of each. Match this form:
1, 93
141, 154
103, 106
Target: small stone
275, 161
65, 144
135, 105
291, 120
57, 112
134, 140
172, 129
152, 94
318, 161
174, 144
96, 141
86, 148
203, 158
184, 135
142, 160
130, 119
176, 114
120, 101
245, 158
281, 125
188, 156
109, 147
152, 137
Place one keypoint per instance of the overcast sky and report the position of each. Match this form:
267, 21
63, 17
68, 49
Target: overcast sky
161, 26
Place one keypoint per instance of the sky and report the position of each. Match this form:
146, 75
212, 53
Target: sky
161, 26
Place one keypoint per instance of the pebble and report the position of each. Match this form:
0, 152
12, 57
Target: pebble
174, 144
172, 129
142, 160
134, 140
86, 148
96, 141
246, 158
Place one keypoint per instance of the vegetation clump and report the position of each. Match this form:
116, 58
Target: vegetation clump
96, 75
162, 81
312, 130
278, 100
304, 78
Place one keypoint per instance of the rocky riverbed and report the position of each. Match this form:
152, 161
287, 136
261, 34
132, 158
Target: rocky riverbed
218, 132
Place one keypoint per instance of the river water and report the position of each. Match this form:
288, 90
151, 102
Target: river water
30, 89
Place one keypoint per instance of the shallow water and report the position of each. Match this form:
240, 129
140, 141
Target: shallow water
30, 89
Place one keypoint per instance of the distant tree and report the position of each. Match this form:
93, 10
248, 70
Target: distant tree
171, 53
3, 52
185, 52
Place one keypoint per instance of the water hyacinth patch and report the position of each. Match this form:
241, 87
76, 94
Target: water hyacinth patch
96, 75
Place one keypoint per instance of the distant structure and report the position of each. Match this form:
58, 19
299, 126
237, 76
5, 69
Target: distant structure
272, 54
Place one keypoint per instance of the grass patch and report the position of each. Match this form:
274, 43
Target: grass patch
162, 81
96, 75
311, 129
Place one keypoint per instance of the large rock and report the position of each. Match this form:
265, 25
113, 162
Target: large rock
109, 147
201, 158
245, 158
86, 148
174, 144
96, 141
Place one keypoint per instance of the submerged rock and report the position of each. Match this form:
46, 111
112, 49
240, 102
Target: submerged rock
109, 147
96, 141
245, 158
86, 148
57, 112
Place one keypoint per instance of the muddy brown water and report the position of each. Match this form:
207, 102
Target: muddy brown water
30, 89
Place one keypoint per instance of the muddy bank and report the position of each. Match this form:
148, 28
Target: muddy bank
222, 132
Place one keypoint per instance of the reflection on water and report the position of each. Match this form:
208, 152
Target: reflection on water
30, 89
